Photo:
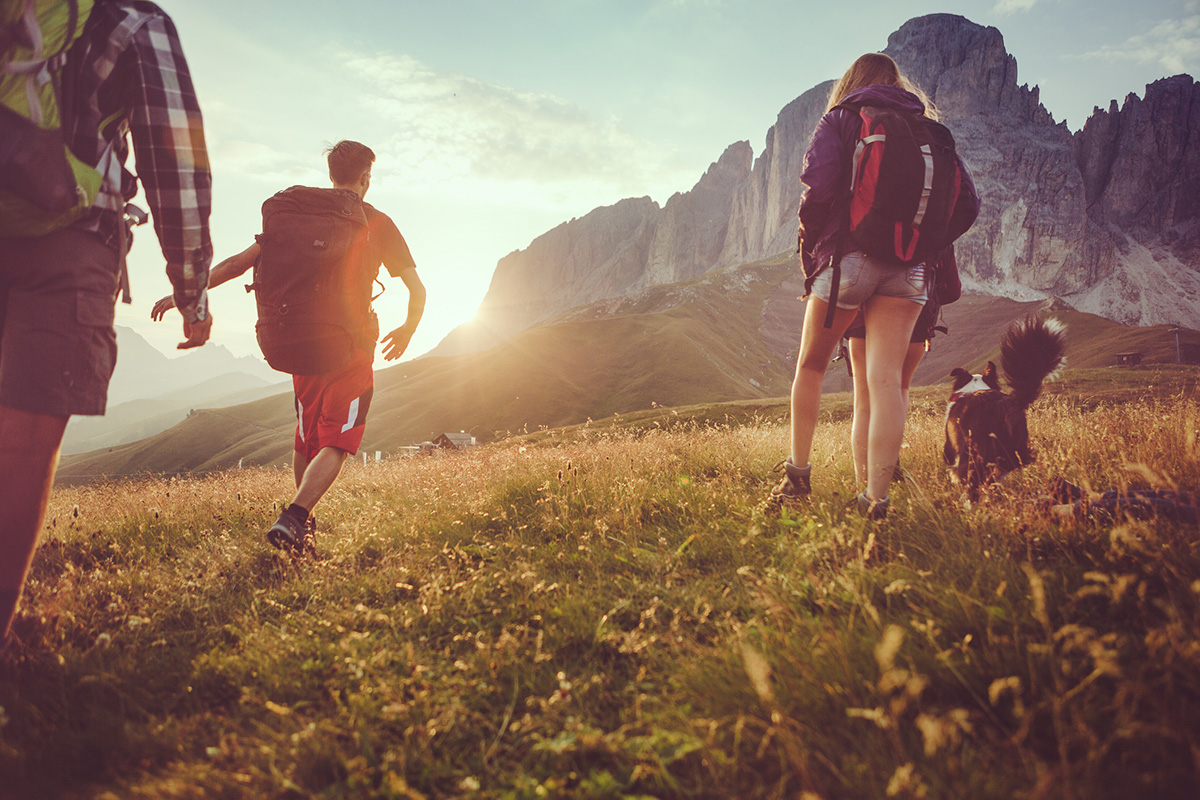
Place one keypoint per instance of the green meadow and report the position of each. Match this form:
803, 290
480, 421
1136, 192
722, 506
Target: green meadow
610, 610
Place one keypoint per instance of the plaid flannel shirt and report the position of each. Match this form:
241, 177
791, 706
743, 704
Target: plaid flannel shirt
129, 62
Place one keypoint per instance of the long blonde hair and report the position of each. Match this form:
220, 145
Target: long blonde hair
876, 68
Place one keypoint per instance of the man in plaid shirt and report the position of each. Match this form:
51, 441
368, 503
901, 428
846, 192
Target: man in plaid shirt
127, 75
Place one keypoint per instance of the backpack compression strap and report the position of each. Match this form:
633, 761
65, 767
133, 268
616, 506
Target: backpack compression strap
906, 253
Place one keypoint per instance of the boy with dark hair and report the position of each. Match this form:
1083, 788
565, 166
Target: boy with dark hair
331, 407
347, 160
125, 74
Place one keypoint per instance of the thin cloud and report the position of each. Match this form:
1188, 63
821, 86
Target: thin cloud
1013, 6
263, 163
1172, 44
458, 129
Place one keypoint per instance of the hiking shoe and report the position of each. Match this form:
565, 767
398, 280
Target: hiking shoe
794, 486
289, 533
871, 509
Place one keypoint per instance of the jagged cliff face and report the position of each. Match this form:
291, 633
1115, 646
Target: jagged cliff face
693, 227
1107, 218
610, 252
764, 209
1141, 163
1140, 166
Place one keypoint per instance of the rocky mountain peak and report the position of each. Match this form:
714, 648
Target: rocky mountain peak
965, 69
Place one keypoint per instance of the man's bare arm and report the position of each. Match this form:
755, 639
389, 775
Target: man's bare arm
396, 342
227, 270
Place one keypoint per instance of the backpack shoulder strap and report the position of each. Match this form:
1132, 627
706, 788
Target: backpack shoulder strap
33, 47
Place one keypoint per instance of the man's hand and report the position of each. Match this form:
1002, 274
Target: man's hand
161, 308
396, 342
196, 332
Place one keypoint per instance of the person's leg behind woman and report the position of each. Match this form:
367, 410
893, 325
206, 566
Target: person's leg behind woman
860, 425
889, 322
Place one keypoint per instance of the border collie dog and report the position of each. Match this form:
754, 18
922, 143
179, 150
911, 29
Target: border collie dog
986, 434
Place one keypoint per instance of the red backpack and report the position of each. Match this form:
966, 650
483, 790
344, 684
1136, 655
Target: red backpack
905, 184
311, 281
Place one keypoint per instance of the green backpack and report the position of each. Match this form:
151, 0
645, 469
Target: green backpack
43, 186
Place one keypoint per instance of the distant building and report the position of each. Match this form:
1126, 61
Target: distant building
1129, 359
454, 441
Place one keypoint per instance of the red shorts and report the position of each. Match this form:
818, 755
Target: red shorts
331, 409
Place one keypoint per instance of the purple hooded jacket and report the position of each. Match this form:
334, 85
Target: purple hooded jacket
827, 175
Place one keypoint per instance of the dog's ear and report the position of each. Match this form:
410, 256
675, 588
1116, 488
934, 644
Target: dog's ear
961, 378
990, 377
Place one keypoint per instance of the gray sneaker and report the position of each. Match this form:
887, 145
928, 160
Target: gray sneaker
289, 533
871, 509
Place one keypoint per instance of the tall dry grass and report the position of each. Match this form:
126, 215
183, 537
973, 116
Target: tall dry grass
610, 613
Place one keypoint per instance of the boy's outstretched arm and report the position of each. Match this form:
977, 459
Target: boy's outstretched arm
396, 342
227, 270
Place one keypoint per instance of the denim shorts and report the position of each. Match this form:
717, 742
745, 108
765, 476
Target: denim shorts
864, 277
57, 300
922, 331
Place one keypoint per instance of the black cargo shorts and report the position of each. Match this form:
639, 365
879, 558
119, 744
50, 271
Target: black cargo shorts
57, 303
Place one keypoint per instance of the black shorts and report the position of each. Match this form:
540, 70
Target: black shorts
57, 302
922, 331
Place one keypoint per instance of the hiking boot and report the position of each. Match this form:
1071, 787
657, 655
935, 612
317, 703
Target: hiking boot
289, 533
794, 486
871, 509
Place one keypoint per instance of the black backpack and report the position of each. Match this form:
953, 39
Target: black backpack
312, 281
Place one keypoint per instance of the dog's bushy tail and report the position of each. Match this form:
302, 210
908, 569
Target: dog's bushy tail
1032, 350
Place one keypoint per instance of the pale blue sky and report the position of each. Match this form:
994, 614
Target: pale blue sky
495, 121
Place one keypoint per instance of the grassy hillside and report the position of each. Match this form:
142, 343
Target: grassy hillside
701, 352
607, 611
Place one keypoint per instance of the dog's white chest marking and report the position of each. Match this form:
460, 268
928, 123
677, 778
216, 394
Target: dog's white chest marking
976, 384
973, 386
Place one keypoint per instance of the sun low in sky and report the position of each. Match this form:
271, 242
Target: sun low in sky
495, 122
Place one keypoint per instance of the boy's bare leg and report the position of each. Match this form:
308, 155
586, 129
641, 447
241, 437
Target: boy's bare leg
319, 475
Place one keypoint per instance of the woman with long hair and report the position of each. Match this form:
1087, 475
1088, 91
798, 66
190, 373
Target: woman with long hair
890, 296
